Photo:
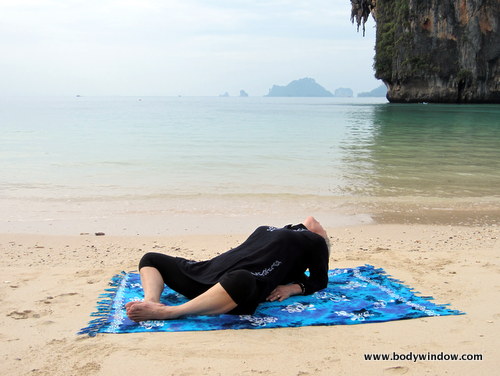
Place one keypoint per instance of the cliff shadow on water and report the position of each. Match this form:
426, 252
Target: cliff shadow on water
435, 150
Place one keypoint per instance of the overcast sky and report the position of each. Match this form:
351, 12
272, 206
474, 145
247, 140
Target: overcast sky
179, 47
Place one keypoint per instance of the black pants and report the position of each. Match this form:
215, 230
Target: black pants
241, 285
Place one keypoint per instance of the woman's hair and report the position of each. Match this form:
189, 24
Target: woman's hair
327, 240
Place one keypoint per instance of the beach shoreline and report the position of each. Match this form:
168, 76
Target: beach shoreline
51, 284
206, 214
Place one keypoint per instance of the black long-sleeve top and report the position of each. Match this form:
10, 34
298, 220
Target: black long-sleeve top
275, 256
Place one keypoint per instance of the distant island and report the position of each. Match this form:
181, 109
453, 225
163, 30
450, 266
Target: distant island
304, 87
380, 91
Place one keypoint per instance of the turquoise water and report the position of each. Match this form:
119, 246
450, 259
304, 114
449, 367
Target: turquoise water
85, 148
427, 150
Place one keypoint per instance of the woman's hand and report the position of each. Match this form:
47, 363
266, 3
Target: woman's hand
283, 292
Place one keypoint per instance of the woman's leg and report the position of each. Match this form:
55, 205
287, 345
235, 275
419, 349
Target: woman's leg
166, 271
152, 284
237, 289
214, 301
158, 269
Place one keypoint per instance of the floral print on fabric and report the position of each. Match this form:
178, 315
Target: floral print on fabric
353, 296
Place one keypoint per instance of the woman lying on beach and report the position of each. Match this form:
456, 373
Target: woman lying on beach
269, 265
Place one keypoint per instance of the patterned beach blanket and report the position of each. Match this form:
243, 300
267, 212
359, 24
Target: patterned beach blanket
354, 296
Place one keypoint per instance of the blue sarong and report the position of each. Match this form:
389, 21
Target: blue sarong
358, 295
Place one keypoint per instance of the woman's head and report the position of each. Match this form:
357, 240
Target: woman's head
314, 226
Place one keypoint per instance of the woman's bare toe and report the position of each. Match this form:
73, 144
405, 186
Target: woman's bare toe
142, 311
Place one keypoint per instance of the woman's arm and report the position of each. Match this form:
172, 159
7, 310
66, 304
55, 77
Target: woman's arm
306, 285
318, 269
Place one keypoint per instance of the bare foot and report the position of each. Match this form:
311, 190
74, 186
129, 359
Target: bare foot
141, 311
130, 304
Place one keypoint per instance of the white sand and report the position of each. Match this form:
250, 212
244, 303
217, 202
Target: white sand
50, 285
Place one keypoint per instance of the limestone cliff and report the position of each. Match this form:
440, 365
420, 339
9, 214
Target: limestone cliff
436, 50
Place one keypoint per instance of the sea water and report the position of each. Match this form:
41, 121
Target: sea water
129, 149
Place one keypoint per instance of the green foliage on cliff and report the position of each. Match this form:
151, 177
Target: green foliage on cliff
361, 10
399, 56
392, 35
436, 50
417, 66
384, 50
